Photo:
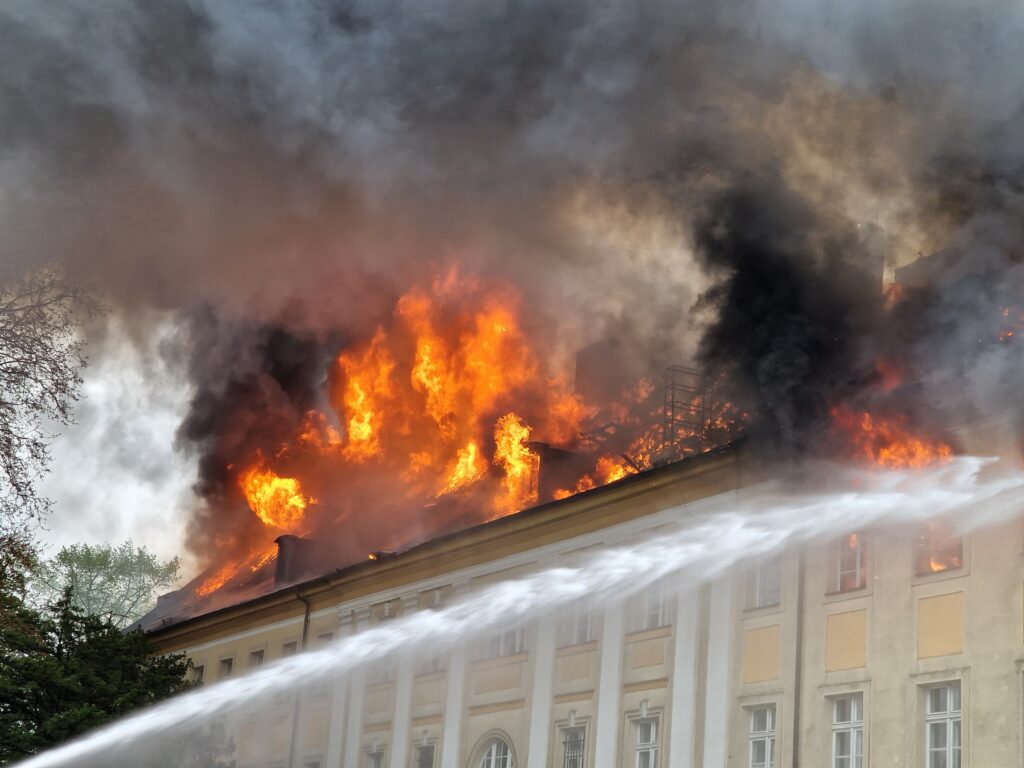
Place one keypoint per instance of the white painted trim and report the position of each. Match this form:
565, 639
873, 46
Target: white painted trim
610, 536
354, 725
335, 723
541, 693
453, 710
684, 680
609, 690
401, 722
718, 682
242, 635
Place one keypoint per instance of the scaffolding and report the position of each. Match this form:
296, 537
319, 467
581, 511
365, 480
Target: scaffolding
686, 413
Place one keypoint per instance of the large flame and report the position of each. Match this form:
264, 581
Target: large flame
518, 463
277, 501
433, 414
888, 442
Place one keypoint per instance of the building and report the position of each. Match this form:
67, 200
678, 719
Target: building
896, 647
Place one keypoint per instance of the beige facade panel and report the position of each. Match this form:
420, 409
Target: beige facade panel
280, 734
427, 690
761, 654
846, 640
498, 678
574, 667
940, 625
647, 653
378, 699
316, 729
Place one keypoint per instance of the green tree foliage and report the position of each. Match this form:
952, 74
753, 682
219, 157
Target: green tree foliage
64, 672
120, 583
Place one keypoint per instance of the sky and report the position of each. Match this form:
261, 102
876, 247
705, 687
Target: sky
116, 475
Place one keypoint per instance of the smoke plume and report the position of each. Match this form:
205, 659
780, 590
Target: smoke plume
723, 183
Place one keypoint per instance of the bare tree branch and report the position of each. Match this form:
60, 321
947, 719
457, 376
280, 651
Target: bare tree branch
41, 359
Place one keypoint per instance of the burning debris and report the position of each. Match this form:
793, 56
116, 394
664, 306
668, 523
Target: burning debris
434, 419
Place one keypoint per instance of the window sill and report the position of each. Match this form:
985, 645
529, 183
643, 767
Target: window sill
764, 610
500, 661
849, 594
427, 677
946, 575
648, 634
572, 650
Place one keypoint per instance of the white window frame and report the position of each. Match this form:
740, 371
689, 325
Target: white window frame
493, 756
760, 596
417, 754
949, 716
929, 544
583, 622
853, 729
766, 736
375, 759
654, 615
508, 642
646, 747
859, 569
581, 756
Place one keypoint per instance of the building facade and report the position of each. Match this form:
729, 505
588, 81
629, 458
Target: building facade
891, 647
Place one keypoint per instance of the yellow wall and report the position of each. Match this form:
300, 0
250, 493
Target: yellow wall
845, 640
761, 654
940, 625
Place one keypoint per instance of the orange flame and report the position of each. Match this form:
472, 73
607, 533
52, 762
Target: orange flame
518, 463
422, 399
468, 467
366, 390
888, 442
1013, 323
277, 501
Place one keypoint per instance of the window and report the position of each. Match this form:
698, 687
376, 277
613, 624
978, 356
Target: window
653, 606
226, 665
290, 649
849, 564
572, 747
848, 731
506, 643
940, 547
497, 755
762, 737
430, 664
647, 743
255, 659
375, 759
312, 764
942, 726
325, 637
578, 625
425, 756
765, 584
198, 673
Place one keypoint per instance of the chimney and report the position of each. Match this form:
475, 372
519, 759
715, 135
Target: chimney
557, 469
294, 558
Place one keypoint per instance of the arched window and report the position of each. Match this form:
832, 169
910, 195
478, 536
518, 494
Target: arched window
497, 755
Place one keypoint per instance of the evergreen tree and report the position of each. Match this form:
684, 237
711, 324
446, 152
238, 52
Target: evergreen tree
64, 672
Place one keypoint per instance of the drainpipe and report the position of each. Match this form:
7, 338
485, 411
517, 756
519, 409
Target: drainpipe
798, 674
298, 695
